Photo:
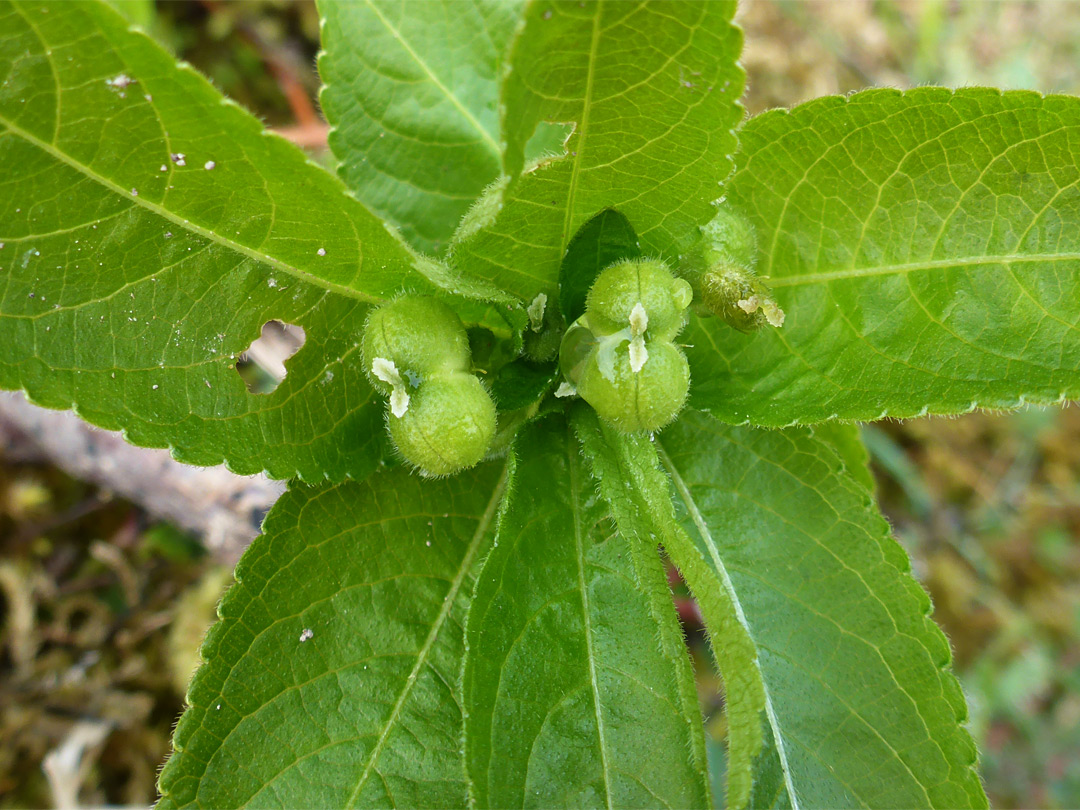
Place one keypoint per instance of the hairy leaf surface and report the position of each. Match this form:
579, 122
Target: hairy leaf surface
412, 93
333, 676
652, 90
572, 698
149, 229
924, 247
861, 707
627, 471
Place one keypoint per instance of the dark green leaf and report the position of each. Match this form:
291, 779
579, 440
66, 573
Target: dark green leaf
605, 239
924, 247
571, 696
521, 383
332, 677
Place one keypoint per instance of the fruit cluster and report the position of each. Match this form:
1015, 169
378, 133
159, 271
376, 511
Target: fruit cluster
620, 356
441, 418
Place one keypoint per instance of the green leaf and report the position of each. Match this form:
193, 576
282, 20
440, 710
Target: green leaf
923, 247
652, 89
627, 471
133, 280
412, 95
846, 440
860, 703
332, 679
572, 697
605, 239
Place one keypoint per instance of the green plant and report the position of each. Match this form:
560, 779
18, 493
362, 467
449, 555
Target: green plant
505, 635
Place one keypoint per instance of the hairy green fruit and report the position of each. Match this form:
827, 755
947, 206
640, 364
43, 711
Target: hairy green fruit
722, 275
448, 425
646, 399
740, 298
647, 283
420, 336
619, 356
441, 419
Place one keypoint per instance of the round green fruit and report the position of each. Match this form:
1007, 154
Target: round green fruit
421, 336
448, 425
643, 400
625, 285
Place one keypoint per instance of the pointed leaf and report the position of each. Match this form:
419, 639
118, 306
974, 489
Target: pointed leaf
860, 703
412, 95
627, 471
923, 245
652, 89
571, 696
134, 277
332, 677
605, 239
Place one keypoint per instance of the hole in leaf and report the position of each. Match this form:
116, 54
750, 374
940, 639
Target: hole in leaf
262, 366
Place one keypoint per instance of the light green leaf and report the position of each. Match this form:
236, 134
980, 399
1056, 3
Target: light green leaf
137, 12
652, 89
572, 697
132, 277
333, 676
412, 94
923, 245
860, 703
846, 440
627, 471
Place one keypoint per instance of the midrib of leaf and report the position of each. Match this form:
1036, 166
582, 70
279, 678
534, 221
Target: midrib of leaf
699, 521
485, 136
579, 150
429, 642
187, 224
914, 267
582, 586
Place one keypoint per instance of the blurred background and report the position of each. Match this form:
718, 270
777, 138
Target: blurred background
103, 603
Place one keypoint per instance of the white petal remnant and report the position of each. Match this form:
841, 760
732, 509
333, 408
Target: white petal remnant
749, 305
773, 314
639, 320
536, 312
638, 354
769, 308
386, 371
399, 401
565, 390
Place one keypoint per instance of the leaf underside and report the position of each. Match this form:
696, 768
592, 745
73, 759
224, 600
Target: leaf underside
333, 675
924, 247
